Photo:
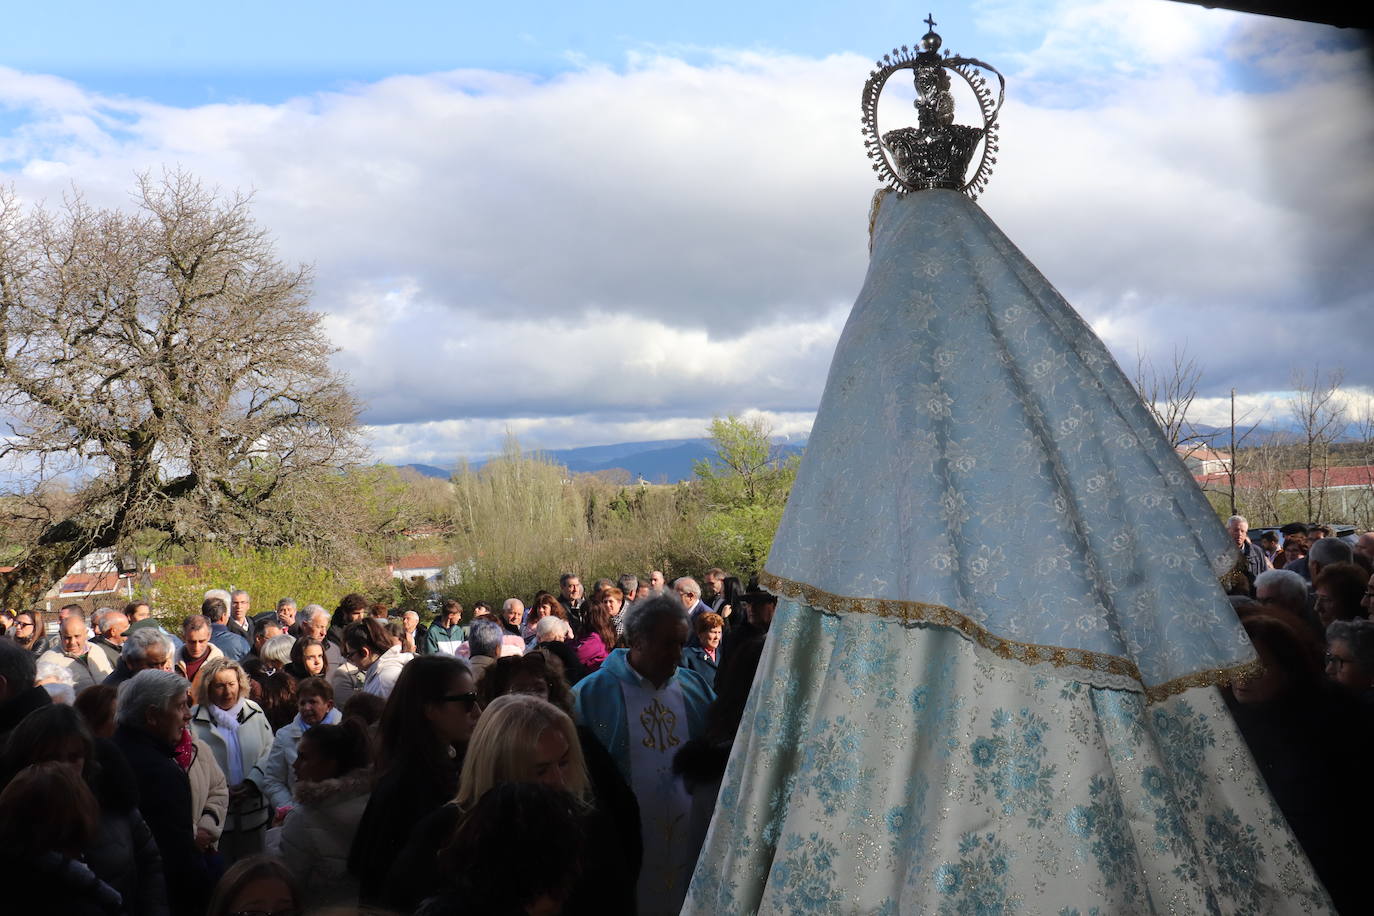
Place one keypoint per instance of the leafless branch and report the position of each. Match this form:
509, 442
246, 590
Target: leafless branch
164, 364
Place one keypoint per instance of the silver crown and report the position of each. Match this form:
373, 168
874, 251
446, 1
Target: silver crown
937, 152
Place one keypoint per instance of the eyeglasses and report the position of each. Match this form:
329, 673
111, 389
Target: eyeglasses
21, 625
1335, 661
469, 698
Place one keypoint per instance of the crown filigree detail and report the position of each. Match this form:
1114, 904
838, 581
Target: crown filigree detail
936, 153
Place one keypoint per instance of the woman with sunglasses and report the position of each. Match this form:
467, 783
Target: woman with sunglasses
421, 742
370, 645
28, 631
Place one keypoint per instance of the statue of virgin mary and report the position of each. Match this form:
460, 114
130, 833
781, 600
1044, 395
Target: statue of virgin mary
991, 683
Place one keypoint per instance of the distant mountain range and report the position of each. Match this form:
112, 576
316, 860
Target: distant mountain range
660, 461
670, 460
1219, 437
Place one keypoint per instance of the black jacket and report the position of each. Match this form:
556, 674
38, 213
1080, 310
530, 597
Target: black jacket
13, 710
612, 851
46, 882
110, 649
119, 675
576, 619
404, 795
1313, 749
164, 799
124, 853
565, 653
737, 637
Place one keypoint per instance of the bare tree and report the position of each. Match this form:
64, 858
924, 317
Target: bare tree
1363, 430
1236, 465
163, 364
1266, 473
1320, 422
1169, 394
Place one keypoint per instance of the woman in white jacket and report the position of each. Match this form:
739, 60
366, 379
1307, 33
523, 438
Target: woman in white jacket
236, 731
275, 774
333, 783
370, 645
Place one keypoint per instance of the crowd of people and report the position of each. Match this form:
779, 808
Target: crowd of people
1304, 598
558, 756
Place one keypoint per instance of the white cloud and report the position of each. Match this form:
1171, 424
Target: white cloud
608, 363
614, 252
441, 442
1274, 409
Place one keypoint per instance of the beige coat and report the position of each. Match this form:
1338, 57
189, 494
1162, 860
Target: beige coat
209, 791
91, 668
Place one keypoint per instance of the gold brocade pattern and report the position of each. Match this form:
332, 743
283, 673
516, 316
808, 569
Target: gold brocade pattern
660, 727
1008, 649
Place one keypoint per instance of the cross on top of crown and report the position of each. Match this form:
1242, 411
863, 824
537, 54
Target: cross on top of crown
937, 153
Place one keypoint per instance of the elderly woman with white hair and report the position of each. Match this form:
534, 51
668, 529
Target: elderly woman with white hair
150, 714
555, 635
237, 731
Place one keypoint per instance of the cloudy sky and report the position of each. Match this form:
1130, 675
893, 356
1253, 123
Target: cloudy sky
611, 223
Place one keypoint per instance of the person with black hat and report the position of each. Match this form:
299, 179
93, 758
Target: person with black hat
758, 617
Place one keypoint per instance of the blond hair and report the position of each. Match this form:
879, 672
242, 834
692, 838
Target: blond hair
206, 675
502, 747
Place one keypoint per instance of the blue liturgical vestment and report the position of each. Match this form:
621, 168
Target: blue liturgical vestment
644, 725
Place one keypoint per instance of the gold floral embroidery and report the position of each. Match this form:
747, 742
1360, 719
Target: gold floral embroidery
660, 724
1011, 650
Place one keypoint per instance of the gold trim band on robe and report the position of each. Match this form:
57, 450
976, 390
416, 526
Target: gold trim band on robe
1009, 649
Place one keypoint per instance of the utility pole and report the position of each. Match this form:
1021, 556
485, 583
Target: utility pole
1232, 476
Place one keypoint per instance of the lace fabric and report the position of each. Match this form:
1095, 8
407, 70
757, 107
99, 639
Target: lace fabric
986, 686
882, 768
977, 450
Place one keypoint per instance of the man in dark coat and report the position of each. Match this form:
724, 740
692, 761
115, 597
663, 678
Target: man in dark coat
151, 715
145, 647
110, 629
571, 597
